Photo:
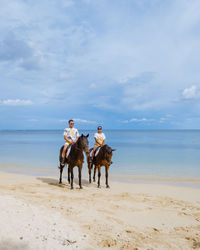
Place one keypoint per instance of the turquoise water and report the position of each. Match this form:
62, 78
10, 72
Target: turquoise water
156, 153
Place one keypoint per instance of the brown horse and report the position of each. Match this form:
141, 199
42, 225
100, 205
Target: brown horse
75, 158
103, 158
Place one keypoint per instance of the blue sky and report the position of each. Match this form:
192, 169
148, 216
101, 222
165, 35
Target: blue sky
132, 64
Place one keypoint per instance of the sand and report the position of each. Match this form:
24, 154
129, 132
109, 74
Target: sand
38, 213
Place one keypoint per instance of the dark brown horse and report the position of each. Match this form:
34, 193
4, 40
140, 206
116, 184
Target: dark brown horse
75, 158
103, 158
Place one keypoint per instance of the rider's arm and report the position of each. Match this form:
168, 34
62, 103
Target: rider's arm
97, 141
69, 141
76, 139
77, 136
103, 140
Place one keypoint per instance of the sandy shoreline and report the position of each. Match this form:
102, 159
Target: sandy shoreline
193, 181
37, 212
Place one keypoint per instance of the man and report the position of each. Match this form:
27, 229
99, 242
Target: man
99, 139
71, 135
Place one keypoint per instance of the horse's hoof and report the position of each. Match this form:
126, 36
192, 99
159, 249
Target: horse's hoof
107, 186
99, 186
60, 182
81, 187
72, 188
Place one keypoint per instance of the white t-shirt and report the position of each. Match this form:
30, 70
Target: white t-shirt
100, 137
71, 133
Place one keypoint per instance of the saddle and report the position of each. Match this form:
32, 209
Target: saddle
68, 151
97, 151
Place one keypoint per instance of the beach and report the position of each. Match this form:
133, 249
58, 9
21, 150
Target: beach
38, 213
109, 85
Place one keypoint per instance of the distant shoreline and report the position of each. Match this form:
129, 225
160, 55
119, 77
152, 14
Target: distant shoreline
165, 156
118, 177
105, 129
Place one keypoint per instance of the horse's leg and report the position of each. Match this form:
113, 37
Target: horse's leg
95, 168
61, 170
89, 171
99, 176
68, 175
72, 176
106, 170
79, 176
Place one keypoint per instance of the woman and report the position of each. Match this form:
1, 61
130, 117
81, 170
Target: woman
99, 140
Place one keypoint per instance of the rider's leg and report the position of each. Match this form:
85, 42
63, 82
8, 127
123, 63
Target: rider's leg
64, 154
93, 153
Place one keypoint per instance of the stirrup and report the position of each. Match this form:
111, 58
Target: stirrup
62, 163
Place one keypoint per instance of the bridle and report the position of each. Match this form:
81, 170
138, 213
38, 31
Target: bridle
83, 147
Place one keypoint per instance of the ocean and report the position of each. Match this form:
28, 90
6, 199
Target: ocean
160, 153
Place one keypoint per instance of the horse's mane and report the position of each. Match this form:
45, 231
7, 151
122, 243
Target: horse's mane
106, 150
76, 144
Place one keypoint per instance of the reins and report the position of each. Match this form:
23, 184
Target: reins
77, 147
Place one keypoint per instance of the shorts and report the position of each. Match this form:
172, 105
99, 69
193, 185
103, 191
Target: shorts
96, 145
66, 143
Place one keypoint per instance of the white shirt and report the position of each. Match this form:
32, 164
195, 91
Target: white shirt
100, 137
71, 133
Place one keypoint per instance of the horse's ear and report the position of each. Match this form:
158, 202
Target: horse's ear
113, 149
87, 135
81, 135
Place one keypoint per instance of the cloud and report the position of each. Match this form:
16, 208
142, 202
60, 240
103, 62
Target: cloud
64, 76
138, 120
191, 93
164, 119
93, 85
103, 64
16, 102
63, 120
78, 120
32, 63
13, 49
33, 120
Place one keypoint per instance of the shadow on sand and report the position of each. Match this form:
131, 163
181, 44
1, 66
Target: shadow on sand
55, 182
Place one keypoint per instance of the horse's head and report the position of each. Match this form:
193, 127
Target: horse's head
83, 140
108, 153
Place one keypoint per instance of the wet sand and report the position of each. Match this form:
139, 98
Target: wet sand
37, 212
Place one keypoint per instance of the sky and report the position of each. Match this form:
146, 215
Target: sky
122, 64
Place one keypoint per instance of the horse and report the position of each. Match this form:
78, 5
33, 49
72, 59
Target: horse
75, 158
103, 158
